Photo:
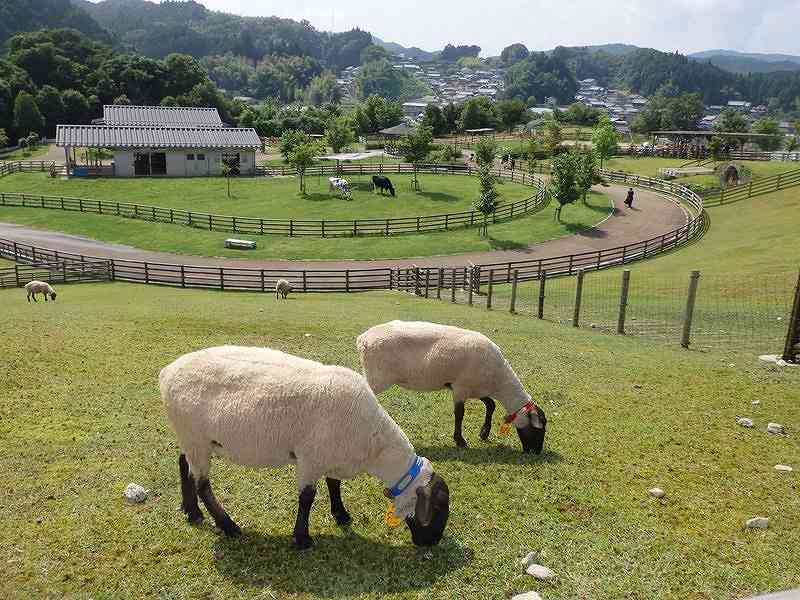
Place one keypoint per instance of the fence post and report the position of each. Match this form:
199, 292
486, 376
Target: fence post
542, 283
222, 278
576, 315
453, 285
305, 282
146, 274
16, 272
440, 284
469, 289
427, 280
791, 350
514, 281
623, 301
183, 276
347, 280
263, 286
694, 279
416, 279
489, 290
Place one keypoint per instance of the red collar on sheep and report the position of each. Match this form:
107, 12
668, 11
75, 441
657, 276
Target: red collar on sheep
526, 408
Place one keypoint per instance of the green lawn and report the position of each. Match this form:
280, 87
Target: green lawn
27, 153
439, 192
650, 167
81, 418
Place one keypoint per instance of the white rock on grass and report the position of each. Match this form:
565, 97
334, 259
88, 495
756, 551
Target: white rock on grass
540, 572
135, 493
756, 402
744, 422
656, 492
784, 468
775, 428
757, 523
527, 596
529, 559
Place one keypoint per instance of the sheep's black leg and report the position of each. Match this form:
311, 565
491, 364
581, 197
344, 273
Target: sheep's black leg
34, 297
457, 436
188, 492
306, 498
221, 518
338, 510
487, 422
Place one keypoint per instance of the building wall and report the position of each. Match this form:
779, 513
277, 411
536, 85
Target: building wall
123, 163
179, 166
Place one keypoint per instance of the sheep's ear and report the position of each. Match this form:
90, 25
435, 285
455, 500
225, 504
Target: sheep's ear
423, 509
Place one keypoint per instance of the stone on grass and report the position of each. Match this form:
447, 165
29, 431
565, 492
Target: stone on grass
529, 559
135, 493
757, 523
775, 428
784, 468
540, 572
656, 492
527, 596
756, 402
744, 422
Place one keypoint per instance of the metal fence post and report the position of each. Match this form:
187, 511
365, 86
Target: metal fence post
489, 290
542, 283
576, 315
791, 351
623, 301
514, 282
694, 279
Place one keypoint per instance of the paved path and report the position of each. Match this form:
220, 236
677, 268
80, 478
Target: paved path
651, 216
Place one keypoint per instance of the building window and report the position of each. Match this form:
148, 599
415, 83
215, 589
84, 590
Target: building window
201, 157
190, 157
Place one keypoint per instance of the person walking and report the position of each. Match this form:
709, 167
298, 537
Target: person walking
629, 198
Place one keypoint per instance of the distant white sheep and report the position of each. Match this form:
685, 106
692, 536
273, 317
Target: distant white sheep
282, 288
40, 287
428, 356
263, 408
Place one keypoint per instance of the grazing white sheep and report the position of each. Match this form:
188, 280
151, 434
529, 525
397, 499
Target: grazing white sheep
263, 408
282, 288
40, 287
428, 356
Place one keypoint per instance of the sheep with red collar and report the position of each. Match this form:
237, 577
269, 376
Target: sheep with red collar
263, 408
427, 356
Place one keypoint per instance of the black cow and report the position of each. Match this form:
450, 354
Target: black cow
382, 183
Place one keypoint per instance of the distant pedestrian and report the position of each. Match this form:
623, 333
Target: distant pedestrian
629, 198
513, 162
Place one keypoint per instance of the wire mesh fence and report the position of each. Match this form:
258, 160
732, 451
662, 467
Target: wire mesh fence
731, 313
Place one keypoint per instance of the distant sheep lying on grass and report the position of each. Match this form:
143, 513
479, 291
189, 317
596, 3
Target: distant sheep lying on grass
40, 287
263, 408
282, 289
428, 356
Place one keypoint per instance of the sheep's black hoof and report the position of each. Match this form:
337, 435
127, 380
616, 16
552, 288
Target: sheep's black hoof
460, 442
342, 518
484, 433
303, 543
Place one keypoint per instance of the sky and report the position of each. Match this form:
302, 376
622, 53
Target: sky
683, 25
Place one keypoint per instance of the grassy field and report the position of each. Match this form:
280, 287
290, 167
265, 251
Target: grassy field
81, 418
650, 167
440, 194
27, 153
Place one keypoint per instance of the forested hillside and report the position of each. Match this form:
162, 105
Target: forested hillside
32, 15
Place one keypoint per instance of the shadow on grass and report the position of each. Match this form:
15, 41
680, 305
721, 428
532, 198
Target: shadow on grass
585, 230
480, 453
437, 196
496, 244
337, 565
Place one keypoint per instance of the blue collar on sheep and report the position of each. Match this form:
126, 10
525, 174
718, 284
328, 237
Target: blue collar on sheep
407, 479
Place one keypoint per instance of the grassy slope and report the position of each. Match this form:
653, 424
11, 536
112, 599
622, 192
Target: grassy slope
650, 167
27, 153
81, 418
153, 236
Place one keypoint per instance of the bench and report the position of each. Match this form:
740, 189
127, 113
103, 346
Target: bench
240, 244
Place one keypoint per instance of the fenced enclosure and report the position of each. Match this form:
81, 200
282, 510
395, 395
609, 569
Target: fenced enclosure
56, 271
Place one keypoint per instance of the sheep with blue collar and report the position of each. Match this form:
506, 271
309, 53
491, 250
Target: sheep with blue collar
263, 408
428, 356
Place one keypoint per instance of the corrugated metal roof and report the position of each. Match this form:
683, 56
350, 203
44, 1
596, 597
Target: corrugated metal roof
121, 136
120, 114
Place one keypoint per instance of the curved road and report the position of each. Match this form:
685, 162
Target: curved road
651, 216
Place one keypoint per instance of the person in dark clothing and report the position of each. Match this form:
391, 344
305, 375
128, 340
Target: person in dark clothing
629, 198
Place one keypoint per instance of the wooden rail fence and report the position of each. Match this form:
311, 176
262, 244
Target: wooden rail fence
767, 185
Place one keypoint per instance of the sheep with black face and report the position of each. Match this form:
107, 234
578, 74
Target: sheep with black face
427, 356
40, 287
263, 408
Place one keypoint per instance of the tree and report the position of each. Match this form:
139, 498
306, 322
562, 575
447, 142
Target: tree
323, 89
792, 144
514, 53
487, 201
551, 136
543, 76
374, 52
376, 113
302, 157
226, 173
27, 118
604, 139
485, 152
771, 127
563, 187
49, 101
731, 120
291, 139
478, 113
669, 112
76, 107
511, 113
587, 174
434, 119
452, 53
338, 134
415, 148
379, 77
122, 100
451, 114
3, 138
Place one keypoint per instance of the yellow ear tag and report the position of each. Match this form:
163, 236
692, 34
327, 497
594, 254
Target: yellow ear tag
504, 428
392, 520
